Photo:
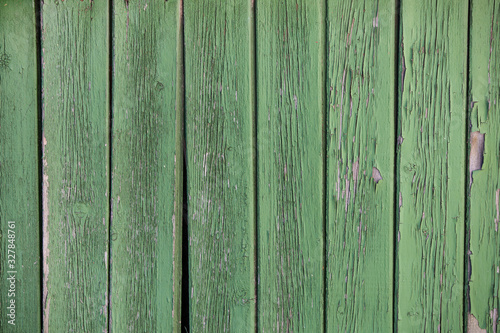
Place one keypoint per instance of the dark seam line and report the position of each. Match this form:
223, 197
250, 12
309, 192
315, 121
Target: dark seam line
182, 159
323, 103
467, 267
110, 154
397, 159
38, 33
253, 87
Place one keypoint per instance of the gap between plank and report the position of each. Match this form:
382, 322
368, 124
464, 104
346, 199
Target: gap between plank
181, 288
253, 110
110, 155
38, 36
324, 107
397, 130
467, 267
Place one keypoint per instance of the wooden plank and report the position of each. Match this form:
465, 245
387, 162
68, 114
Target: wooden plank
20, 262
484, 165
75, 145
360, 160
290, 111
220, 185
143, 162
433, 57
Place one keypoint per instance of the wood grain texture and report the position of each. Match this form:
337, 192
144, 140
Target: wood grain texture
19, 175
484, 201
143, 162
75, 165
432, 166
290, 112
220, 182
360, 146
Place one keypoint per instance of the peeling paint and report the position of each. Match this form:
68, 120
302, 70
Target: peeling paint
476, 151
376, 175
473, 325
494, 318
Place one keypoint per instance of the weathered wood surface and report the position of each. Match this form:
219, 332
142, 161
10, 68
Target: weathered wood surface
290, 123
484, 165
360, 160
332, 163
75, 145
20, 259
220, 184
431, 139
143, 162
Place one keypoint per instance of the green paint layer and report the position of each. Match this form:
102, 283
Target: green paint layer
75, 165
484, 201
143, 162
431, 142
19, 183
219, 166
360, 146
290, 112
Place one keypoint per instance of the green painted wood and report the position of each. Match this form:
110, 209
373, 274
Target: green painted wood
219, 165
75, 71
20, 261
433, 60
290, 122
360, 160
143, 162
484, 182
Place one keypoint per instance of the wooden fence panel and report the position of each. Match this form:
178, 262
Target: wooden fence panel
75, 42
220, 184
484, 165
433, 62
143, 162
20, 260
312, 165
290, 124
360, 183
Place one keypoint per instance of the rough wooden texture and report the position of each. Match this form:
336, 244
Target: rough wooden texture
484, 201
19, 183
433, 51
143, 161
219, 166
360, 160
290, 112
75, 165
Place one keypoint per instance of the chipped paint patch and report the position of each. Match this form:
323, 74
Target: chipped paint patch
494, 318
473, 325
376, 175
476, 151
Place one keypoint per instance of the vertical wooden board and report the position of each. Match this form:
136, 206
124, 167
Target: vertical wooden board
431, 142
20, 261
484, 213
75, 165
143, 161
219, 113
360, 160
290, 110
